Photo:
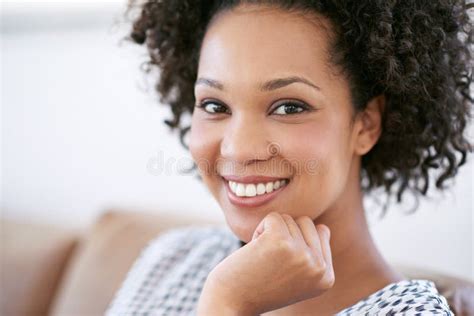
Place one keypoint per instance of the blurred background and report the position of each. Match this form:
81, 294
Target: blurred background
82, 133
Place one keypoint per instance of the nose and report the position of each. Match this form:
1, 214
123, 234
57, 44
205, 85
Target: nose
245, 140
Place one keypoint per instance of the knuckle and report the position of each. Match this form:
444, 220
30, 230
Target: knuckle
315, 274
317, 269
284, 245
320, 263
305, 259
323, 266
332, 280
329, 280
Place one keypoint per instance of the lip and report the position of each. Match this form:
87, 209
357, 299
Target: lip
255, 201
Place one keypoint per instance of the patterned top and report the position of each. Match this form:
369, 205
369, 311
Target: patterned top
168, 276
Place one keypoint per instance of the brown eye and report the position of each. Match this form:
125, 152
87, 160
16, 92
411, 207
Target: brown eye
213, 107
288, 108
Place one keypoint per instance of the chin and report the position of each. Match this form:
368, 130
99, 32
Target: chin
242, 227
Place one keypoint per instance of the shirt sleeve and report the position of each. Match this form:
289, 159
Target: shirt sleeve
407, 297
427, 305
151, 266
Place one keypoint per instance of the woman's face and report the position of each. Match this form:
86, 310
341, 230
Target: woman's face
287, 129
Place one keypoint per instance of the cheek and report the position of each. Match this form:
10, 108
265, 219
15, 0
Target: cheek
312, 156
204, 145
320, 161
311, 147
201, 144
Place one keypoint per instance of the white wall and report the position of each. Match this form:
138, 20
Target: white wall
80, 134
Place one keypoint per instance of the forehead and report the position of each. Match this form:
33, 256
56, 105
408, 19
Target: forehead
251, 41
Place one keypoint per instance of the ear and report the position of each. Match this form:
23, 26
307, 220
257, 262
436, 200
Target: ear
368, 125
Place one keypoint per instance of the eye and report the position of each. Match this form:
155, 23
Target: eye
290, 107
212, 107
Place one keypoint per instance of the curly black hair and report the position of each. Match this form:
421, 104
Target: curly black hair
417, 53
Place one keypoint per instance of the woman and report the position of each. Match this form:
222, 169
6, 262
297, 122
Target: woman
299, 108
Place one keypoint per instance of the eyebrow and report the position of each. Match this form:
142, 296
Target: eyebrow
266, 86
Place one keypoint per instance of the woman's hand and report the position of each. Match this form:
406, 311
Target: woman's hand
286, 261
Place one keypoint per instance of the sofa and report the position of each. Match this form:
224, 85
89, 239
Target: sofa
52, 271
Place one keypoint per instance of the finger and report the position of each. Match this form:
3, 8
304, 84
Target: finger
258, 231
293, 228
272, 223
311, 237
325, 236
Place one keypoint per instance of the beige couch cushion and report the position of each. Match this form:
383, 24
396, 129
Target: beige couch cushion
103, 259
33, 258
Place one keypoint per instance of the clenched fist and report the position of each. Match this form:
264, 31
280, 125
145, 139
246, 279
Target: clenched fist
286, 261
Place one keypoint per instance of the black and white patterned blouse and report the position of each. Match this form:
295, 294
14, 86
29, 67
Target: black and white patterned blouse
168, 276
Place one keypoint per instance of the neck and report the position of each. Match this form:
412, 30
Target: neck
359, 268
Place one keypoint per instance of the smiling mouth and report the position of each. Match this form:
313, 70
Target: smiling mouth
254, 194
254, 189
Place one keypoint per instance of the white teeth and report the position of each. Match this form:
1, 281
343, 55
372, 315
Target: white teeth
276, 184
240, 190
269, 187
251, 189
260, 188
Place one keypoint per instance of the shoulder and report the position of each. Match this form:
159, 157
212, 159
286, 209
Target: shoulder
187, 238
171, 262
182, 245
410, 297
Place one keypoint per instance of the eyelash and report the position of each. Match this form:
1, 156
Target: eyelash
299, 104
